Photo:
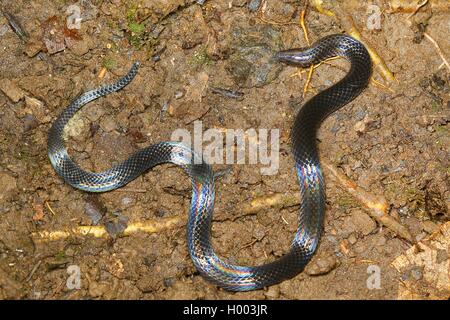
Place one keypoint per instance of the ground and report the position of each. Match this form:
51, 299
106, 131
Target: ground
391, 141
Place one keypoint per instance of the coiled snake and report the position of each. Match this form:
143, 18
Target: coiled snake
229, 276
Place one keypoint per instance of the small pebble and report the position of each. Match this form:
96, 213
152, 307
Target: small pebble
126, 201
332, 239
117, 224
29, 122
179, 94
254, 5
360, 115
363, 222
416, 273
366, 125
352, 239
3, 30
273, 292
93, 212
32, 48
168, 282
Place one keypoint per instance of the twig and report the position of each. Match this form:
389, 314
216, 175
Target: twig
50, 208
234, 94
420, 5
276, 200
305, 33
33, 271
350, 27
149, 226
249, 244
377, 205
131, 190
381, 85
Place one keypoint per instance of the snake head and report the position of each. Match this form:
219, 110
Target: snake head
298, 57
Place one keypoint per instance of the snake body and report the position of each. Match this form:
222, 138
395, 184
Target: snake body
224, 274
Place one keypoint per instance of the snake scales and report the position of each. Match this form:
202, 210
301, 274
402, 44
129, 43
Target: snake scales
229, 276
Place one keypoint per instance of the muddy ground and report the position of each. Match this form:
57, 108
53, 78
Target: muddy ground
393, 143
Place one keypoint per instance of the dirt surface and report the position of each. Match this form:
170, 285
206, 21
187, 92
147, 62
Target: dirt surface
391, 143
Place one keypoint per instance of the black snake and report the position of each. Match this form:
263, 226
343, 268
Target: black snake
220, 272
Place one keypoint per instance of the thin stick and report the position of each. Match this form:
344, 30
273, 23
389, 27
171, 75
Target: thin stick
305, 33
318, 6
303, 25
350, 27
131, 190
308, 81
381, 85
149, 226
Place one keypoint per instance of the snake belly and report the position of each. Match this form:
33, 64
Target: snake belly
210, 266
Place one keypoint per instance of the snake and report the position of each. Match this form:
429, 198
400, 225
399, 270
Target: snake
219, 271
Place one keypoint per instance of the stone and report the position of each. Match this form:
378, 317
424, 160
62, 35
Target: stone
429, 226
251, 64
33, 47
254, 5
37, 108
80, 47
352, 239
322, 265
366, 125
273, 292
8, 186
